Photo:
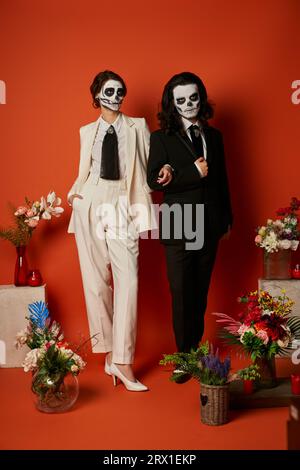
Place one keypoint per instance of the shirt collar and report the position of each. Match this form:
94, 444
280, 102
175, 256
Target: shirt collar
186, 123
116, 124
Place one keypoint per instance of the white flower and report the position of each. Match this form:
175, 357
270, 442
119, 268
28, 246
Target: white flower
269, 222
278, 223
293, 221
21, 338
294, 245
270, 242
50, 207
74, 368
55, 328
31, 359
267, 312
284, 244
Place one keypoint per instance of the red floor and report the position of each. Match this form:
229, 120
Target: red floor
104, 417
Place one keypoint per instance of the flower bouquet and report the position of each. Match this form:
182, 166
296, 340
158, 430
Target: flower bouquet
214, 376
53, 364
28, 216
264, 328
278, 237
26, 219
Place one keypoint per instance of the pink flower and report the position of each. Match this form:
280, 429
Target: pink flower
30, 213
21, 210
262, 334
32, 222
258, 239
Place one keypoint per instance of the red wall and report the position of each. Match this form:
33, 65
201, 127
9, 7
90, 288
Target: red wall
247, 53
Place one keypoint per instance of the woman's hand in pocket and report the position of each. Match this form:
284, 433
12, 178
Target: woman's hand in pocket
71, 198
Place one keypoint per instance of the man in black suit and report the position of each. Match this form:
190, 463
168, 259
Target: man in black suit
187, 163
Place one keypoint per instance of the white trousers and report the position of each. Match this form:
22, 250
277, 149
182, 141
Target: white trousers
110, 259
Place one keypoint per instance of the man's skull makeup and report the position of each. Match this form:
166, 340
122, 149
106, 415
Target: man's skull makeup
111, 95
187, 100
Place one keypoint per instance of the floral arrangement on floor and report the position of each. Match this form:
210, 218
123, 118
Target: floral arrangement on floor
281, 233
50, 359
28, 216
202, 364
264, 327
249, 373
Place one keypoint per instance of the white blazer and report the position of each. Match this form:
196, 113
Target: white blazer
137, 141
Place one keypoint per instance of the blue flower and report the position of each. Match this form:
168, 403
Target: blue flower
38, 313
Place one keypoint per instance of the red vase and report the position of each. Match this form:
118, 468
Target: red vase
248, 386
21, 269
296, 272
34, 278
295, 384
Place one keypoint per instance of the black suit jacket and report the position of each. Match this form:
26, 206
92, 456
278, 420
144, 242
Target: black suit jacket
187, 185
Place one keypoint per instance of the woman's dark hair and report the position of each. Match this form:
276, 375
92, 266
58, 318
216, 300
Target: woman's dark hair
99, 80
168, 117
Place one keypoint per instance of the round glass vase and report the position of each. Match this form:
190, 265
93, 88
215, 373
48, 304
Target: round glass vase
54, 393
277, 265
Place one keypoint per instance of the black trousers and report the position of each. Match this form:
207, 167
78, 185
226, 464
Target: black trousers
189, 273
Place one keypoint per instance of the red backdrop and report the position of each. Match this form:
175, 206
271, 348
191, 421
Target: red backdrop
246, 53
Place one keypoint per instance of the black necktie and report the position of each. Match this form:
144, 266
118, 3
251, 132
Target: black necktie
197, 140
110, 156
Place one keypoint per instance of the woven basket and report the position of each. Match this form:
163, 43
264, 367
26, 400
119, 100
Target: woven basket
214, 403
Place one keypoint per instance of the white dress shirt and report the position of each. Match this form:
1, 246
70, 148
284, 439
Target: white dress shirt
186, 124
118, 124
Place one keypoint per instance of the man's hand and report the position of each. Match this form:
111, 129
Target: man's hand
71, 198
202, 165
165, 175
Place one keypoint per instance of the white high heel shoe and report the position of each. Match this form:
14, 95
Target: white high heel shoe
132, 386
107, 366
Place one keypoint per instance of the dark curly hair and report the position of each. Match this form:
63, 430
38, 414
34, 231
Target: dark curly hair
168, 117
99, 80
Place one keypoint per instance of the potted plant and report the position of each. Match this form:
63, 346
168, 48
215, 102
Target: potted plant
248, 375
264, 328
277, 238
53, 364
212, 373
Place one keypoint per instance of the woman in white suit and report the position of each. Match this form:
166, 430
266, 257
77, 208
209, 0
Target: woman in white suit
111, 206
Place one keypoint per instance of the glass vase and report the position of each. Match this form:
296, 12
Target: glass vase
54, 393
267, 371
277, 265
21, 267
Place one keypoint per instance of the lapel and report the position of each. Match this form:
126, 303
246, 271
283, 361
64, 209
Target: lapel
207, 135
89, 140
130, 142
188, 145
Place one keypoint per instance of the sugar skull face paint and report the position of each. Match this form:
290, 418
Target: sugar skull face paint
187, 100
111, 95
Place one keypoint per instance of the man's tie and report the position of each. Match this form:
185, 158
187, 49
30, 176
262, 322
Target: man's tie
197, 140
110, 156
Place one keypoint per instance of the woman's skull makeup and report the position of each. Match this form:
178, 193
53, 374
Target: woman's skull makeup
187, 100
111, 95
